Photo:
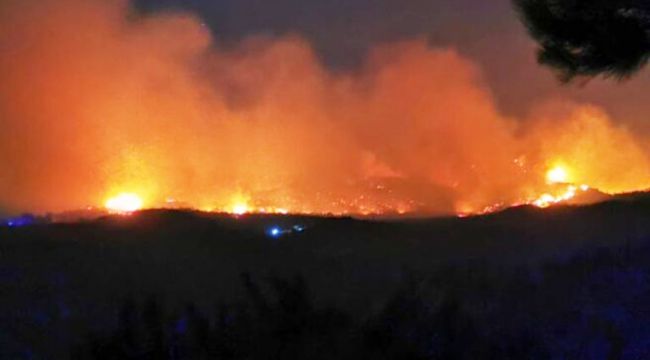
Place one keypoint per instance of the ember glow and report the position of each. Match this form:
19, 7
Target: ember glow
94, 100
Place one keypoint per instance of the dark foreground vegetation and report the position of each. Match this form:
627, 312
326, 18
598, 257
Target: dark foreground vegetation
566, 283
286, 325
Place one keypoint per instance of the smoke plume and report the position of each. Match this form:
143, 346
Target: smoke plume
96, 100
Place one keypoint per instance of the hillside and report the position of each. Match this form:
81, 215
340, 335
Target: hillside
70, 279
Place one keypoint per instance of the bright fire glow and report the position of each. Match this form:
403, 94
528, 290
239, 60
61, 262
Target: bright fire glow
557, 190
124, 203
547, 200
239, 204
557, 175
240, 208
264, 126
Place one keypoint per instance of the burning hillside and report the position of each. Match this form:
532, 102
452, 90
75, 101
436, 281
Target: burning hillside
101, 108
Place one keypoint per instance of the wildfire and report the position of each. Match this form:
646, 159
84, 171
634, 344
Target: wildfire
124, 203
547, 200
557, 189
242, 204
557, 175
240, 208
243, 208
415, 130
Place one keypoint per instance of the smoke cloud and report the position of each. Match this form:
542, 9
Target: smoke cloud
96, 100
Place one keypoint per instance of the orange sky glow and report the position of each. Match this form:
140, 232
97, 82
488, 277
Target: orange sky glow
97, 109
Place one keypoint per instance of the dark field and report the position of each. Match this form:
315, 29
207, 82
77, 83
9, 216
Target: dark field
561, 283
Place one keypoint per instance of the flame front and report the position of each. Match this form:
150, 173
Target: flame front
547, 199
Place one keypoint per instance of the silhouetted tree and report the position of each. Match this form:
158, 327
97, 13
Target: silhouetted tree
589, 37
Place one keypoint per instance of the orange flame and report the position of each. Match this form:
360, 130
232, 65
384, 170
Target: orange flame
157, 107
557, 175
124, 203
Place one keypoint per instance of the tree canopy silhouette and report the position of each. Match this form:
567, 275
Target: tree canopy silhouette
589, 37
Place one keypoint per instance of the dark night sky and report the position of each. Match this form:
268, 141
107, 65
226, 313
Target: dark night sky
486, 31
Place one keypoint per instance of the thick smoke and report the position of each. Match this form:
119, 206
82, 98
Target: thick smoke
96, 100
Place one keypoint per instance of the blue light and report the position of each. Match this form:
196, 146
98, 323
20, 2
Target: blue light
24, 220
275, 232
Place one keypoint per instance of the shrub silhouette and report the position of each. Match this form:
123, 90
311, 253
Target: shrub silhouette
284, 323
